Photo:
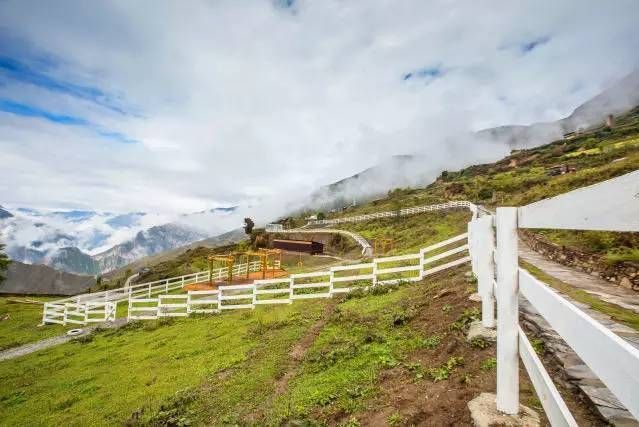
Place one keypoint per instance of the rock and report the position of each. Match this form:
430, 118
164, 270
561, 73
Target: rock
626, 283
475, 297
476, 330
618, 418
484, 413
580, 372
601, 396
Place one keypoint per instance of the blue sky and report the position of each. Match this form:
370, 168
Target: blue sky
121, 107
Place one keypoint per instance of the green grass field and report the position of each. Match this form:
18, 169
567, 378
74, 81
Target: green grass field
19, 323
139, 367
239, 367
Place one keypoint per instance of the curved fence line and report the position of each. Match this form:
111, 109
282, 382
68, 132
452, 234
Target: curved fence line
367, 249
402, 212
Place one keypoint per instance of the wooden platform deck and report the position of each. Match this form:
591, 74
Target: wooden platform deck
240, 280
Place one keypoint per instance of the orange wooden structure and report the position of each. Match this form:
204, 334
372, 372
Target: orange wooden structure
383, 245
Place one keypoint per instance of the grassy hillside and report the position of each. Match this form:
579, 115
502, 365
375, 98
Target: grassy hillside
18, 323
322, 361
526, 176
370, 358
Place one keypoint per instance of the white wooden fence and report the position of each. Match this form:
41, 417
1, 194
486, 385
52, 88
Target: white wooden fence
318, 284
68, 310
610, 205
78, 313
392, 214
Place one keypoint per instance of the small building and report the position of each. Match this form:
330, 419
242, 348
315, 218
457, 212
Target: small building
305, 246
274, 228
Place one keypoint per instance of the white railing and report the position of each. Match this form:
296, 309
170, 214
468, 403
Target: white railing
68, 310
610, 205
317, 284
392, 214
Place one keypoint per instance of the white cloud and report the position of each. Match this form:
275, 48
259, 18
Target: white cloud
244, 101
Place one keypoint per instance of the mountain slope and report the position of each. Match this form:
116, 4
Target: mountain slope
418, 169
43, 280
148, 242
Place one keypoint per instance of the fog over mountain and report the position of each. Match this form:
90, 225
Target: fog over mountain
456, 152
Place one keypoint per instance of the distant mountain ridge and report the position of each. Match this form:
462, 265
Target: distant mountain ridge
59, 239
43, 280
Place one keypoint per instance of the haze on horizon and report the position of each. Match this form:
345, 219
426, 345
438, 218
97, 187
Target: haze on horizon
175, 107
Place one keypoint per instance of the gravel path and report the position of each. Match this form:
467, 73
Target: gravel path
25, 349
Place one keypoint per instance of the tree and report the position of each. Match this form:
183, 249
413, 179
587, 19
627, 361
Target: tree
248, 225
320, 215
4, 263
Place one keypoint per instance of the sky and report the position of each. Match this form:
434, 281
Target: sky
175, 107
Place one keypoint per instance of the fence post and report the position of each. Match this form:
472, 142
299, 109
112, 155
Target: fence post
331, 277
44, 314
374, 272
485, 248
291, 282
507, 312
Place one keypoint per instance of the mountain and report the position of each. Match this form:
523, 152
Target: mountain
619, 98
148, 242
5, 213
90, 242
232, 236
371, 182
463, 150
43, 280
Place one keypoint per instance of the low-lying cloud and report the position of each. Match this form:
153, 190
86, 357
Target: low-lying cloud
204, 104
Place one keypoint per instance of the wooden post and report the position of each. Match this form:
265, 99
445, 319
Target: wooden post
484, 248
507, 312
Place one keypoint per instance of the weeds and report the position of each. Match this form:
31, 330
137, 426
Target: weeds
479, 342
431, 342
443, 372
489, 364
466, 318
395, 419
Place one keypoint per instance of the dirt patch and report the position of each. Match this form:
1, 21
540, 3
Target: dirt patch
416, 393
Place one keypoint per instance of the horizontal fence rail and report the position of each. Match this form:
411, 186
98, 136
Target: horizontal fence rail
313, 285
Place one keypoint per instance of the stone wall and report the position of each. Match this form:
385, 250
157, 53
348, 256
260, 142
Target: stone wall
625, 274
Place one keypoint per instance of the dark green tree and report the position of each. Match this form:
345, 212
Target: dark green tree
4, 262
248, 225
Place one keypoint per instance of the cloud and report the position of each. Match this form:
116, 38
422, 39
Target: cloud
25, 110
259, 103
533, 44
16, 70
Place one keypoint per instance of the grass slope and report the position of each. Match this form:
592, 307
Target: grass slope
524, 177
18, 323
127, 374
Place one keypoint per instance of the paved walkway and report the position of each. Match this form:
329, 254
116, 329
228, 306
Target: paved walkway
576, 372
606, 291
